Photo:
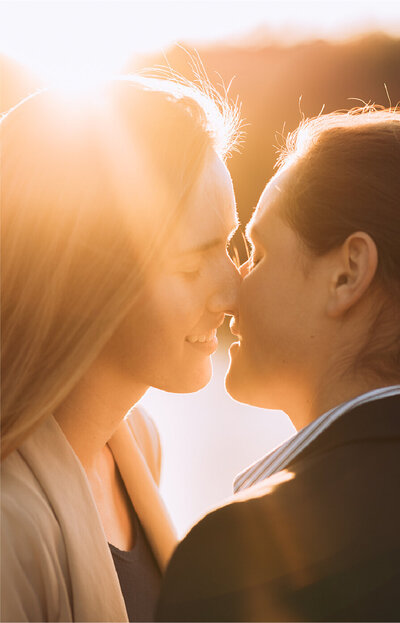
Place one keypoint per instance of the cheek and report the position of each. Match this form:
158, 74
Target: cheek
262, 319
148, 324
172, 310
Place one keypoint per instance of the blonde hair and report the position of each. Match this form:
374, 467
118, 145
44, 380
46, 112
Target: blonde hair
89, 193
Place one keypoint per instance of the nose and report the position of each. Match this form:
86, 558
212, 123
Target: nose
225, 294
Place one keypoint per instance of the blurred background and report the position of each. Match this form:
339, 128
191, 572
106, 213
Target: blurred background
281, 60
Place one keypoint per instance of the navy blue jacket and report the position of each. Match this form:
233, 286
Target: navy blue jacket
320, 541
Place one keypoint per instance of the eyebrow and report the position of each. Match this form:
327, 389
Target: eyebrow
206, 246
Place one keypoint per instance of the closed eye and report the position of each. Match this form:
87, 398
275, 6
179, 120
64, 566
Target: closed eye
190, 274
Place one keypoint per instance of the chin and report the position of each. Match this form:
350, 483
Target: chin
248, 391
188, 381
245, 386
237, 382
263, 391
237, 387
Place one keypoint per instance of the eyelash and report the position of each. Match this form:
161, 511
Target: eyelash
232, 252
190, 275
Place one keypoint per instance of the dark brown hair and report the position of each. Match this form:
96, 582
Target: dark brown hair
346, 178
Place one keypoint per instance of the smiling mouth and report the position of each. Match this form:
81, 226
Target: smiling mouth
202, 339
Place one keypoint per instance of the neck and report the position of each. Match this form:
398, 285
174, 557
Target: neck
331, 392
93, 411
340, 370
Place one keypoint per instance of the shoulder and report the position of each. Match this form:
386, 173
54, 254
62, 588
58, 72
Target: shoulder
235, 547
147, 437
23, 501
243, 529
278, 544
33, 552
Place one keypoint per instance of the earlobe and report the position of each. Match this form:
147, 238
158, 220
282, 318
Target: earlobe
354, 270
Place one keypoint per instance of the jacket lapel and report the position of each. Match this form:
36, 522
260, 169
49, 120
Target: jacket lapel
95, 590
144, 494
377, 420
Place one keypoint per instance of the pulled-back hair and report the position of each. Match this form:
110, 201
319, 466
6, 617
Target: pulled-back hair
89, 194
346, 178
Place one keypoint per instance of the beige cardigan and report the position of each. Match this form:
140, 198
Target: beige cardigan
55, 561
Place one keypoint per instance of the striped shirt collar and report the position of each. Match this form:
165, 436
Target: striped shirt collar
284, 454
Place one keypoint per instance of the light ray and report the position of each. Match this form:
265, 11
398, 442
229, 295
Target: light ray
76, 43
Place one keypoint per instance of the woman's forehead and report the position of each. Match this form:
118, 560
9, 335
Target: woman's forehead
270, 196
211, 210
275, 187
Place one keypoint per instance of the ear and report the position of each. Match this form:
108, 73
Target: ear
355, 266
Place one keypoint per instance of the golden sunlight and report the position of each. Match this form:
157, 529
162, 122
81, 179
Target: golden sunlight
76, 44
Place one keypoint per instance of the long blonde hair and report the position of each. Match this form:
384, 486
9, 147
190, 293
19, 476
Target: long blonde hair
89, 193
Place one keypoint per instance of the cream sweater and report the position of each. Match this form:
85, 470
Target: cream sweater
55, 561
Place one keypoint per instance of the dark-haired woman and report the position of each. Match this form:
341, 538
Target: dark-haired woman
313, 534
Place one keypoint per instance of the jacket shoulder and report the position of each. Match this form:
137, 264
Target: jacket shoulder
302, 545
33, 561
223, 540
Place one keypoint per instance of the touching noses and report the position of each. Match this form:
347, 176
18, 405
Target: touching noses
225, 295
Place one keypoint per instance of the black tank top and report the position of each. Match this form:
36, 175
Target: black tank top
139, 576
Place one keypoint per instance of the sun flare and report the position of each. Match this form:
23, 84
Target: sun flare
76, 44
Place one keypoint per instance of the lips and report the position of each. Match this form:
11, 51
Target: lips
202, 343
210, 335
206, 337
234, 327
206, 342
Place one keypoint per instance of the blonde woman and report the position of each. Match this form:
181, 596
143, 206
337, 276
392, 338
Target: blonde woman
116, 214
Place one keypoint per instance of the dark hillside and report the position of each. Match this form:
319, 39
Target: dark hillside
273, 83
271, 80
